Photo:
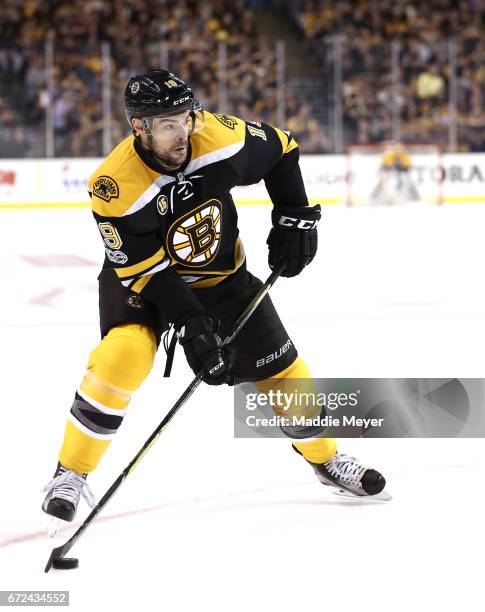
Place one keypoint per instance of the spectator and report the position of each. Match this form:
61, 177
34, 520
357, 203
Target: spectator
183, 32
422, 30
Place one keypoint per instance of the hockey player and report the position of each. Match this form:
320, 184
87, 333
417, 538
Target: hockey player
395, 185
162, 203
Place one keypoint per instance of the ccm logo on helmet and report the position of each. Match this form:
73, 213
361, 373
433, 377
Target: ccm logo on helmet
177, 102
298, 223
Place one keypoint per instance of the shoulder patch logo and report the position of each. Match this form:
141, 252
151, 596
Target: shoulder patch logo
117, 257
193, 240
256, 132
105, 188
226, 120
135, 301
162, 204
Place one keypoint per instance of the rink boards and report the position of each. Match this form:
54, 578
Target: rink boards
60, 182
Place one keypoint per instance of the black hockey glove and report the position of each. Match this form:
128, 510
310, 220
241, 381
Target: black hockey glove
203, 349
293, 239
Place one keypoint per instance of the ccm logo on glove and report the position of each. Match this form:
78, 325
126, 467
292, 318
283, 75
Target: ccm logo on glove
293, 240
218, 366
302, 224
203, 349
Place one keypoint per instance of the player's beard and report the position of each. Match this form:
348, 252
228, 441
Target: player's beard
171, 158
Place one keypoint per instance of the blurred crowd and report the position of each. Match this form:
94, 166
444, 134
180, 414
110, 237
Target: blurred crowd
182, 35
398, 64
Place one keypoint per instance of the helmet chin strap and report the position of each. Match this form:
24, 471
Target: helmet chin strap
147, 128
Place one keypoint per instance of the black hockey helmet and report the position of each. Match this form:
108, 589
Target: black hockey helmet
157, 93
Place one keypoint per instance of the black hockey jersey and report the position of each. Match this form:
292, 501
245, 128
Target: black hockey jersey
164, 232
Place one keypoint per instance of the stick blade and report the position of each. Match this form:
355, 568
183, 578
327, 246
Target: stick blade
57, 553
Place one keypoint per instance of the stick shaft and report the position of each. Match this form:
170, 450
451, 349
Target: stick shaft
61, 551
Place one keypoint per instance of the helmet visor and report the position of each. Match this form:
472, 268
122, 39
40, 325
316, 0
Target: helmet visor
168, 126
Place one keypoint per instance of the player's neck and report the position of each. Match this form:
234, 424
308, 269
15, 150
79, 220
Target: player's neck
165, 166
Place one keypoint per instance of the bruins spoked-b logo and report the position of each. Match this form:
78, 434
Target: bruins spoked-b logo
193, 240
105, 188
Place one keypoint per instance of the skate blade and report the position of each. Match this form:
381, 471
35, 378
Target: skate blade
53, 526
382, 496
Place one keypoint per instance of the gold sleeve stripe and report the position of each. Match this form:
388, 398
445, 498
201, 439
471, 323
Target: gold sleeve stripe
140, 267
140, 283
283, 138
291, 145
288, 143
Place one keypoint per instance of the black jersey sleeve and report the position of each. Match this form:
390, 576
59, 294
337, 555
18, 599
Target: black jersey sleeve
132, 252
273, 155
284, 181
171, 295
142, 265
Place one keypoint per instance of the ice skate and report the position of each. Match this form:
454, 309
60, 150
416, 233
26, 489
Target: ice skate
350, 478
63, 494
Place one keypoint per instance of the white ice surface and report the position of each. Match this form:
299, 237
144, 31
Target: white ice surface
209, 522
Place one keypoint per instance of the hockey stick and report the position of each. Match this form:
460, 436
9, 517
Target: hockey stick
60, 552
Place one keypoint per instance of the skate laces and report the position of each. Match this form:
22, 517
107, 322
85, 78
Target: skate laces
346, 469
70, 486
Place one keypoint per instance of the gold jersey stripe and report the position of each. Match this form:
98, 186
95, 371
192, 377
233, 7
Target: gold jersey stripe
239, 257
207, 282
142, 266
136, 179
291, 145
140, 283
287, 143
